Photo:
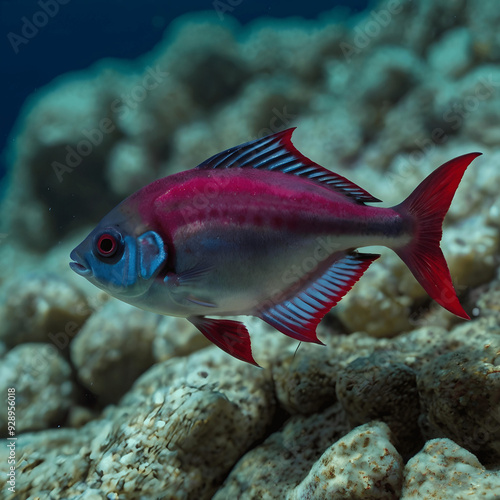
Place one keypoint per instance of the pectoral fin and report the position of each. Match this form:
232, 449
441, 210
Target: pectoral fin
189, 277
230, 336
188, 285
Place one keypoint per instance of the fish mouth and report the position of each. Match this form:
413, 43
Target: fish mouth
78, 265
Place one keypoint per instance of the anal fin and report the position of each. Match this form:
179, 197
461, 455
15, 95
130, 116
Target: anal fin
299, 316
231, 336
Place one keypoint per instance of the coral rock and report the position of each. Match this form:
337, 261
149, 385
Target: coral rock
176, 434
42, 380
45, 308
380, 388
275, 467
459, 393
444, 470
363, 464
113, 348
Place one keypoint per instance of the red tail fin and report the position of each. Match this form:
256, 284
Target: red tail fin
427, 206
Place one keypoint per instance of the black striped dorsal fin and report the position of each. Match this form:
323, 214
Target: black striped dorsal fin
276, 152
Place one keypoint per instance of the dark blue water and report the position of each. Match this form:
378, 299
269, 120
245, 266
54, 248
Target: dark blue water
73, 34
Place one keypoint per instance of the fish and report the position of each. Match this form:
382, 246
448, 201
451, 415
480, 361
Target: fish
261, 230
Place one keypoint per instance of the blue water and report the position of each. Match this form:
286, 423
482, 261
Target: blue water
78, 33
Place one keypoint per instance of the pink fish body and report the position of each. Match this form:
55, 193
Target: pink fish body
262, 230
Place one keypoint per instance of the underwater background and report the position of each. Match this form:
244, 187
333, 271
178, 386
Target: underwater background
114, 402
74, 35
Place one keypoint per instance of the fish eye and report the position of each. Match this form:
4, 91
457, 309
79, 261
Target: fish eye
107, 243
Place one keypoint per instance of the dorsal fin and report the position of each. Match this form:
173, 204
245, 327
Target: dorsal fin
276, 152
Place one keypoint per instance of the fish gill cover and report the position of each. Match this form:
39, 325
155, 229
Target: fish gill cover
382, 98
